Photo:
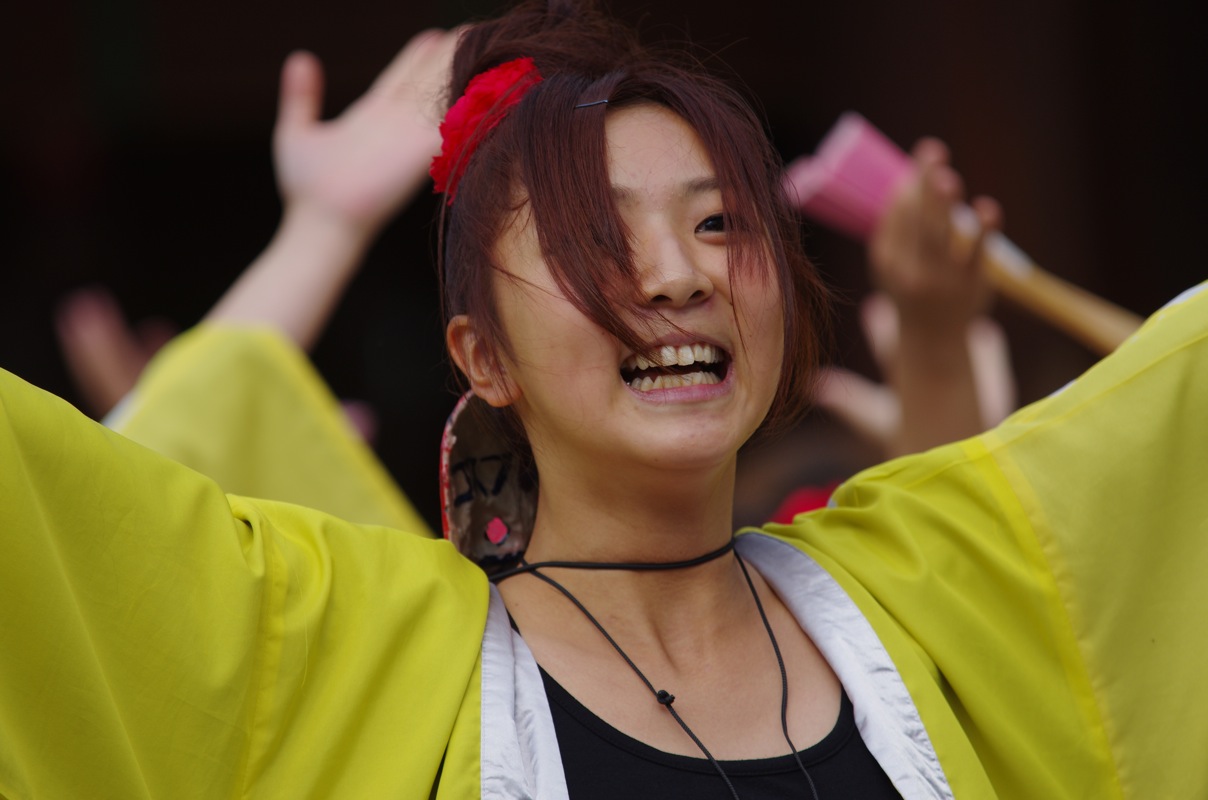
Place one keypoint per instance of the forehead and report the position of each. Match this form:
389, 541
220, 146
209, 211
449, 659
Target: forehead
654, 156
656, 164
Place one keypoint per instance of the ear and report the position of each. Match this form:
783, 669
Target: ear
487, 377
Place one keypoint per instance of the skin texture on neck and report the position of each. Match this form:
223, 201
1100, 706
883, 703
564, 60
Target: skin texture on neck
643, 516
629, 512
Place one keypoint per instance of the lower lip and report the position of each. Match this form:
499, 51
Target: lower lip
689, 394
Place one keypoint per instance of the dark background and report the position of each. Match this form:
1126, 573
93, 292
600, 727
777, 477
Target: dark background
134, 153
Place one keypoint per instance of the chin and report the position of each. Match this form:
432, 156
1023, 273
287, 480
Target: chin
693, 451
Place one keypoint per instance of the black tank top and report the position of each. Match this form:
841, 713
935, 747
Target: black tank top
601, 763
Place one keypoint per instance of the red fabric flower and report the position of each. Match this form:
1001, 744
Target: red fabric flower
486, 101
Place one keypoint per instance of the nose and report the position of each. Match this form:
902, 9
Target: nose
671, 276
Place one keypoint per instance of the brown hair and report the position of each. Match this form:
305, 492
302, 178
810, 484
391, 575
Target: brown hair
552, 156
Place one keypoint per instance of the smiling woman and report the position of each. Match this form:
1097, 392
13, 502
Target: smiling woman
625, 427
625, 286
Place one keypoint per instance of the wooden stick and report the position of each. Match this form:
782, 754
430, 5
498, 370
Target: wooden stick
1095, 322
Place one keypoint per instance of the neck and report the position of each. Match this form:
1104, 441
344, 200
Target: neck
641, 516
650, 519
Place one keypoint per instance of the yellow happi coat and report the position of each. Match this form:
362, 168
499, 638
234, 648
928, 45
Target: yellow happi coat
1038, 591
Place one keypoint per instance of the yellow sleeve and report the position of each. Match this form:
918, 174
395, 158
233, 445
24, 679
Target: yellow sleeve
1040, 587
159, 638
1112, 474
245, 406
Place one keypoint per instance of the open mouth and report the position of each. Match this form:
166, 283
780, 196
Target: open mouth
673, 367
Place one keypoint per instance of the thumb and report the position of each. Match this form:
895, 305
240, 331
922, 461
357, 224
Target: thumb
300, 101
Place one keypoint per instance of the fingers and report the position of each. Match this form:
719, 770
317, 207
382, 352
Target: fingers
102, 353
300, 102
941, 209
930, 151
984, 218
407, 61
939, 185
914, 235
423, 64
940, 188
989, 213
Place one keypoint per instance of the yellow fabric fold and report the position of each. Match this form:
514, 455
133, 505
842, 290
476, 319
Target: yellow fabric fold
245, 406
1040, 587
159, 638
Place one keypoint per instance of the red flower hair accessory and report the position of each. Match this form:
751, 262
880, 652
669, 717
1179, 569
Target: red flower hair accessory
488, 97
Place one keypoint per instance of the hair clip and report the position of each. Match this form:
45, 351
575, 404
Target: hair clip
593, 103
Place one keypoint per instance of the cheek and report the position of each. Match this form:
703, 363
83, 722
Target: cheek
761, 315
772, 356
551, 339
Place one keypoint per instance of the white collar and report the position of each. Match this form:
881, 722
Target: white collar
520, 756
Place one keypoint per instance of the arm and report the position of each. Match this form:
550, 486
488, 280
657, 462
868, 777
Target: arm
341, 181
1040, 586
245, 407
102, 605
937, 287
104, 353
161, 639
236, 404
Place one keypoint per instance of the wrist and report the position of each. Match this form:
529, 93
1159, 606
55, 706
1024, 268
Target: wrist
298, 279
936, 319
937, 351
313, 225
310, 241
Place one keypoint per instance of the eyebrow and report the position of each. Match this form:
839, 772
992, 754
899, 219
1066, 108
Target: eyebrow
690, 188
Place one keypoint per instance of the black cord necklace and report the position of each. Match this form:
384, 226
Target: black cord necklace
632, 566
665, 698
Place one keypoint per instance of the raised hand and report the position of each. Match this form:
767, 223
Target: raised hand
104, 353
362, 166
946, 366
934, 278
340, 180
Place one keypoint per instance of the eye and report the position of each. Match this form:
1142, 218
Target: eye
713, 224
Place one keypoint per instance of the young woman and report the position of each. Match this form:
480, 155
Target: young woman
1013, 615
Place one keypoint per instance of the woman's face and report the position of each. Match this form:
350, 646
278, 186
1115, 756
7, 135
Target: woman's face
587, 399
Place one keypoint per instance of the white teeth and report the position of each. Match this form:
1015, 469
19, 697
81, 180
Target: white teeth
669, 356
648, 384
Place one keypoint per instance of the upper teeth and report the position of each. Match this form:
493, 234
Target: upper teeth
669, 356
